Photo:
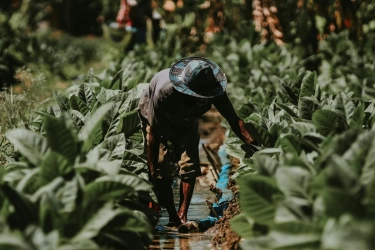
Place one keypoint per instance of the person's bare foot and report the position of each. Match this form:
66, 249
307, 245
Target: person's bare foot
189, 227
174, 222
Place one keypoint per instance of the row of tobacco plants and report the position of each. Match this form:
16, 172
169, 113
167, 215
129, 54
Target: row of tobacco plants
311, 184
77, 178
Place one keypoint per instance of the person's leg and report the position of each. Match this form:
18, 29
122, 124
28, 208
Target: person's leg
162, 176
164, 186
164, 179
186, 193
189, 170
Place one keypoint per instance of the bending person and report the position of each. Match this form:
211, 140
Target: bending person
169, 110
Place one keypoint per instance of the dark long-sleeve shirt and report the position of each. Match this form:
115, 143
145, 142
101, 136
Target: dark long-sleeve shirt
168, 112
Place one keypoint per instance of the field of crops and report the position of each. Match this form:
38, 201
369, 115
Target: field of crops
72, 173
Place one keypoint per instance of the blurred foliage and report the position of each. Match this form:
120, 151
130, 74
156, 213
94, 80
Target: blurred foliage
191, 28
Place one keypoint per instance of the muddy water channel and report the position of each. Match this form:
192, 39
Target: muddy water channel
169, 238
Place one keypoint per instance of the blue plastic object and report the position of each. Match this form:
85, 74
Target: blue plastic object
219, 207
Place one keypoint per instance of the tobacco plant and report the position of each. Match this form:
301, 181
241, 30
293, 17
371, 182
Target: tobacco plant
77, 179
310, 185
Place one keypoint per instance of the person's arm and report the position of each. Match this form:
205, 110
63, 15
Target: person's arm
225, 107
153, 151
158, 129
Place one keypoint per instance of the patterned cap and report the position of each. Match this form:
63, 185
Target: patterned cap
187, 73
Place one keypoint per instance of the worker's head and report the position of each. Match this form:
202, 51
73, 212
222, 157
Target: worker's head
198, 77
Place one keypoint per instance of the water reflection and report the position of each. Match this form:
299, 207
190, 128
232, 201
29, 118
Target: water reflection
171, 239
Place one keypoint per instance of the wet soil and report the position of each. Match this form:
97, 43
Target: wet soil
220, 236
169, 238
224, 237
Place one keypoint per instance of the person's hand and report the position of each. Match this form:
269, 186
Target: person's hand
246, 137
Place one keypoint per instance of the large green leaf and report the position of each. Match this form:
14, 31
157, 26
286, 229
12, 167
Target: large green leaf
86, 94
340, 174
327, 122
295, 236
95, 224
359, 151
358, 117
31, 145
369, 115
346, 233
343, 106
342, 193
258, 197
129, 180
29, 181
233, 147
293, 181
134, 156
291, 144
54, 110
24, 209
242, 225
369, 200
79, 105
265, 165
105, 95
307, 90
47, 213
294, 209
307, 106
105, 190
246, 110
99, 166
133, 97
130, 221
89, 132
115, 146
111, 122
69, 195
337, 144
62, 101
259, 129
78, 118
368, 169
49, 188
12, 242
61, 136
130, 121
287, 109
303, 127
288, 92
79, 245
54, 165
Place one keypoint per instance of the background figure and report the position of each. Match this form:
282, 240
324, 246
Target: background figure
156, 21
123, 17
135, 14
